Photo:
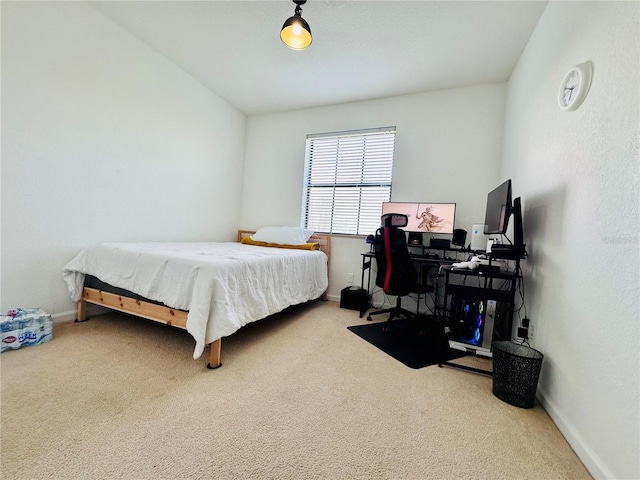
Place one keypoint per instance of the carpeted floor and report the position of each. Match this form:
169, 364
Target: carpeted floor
417, 343
298, 397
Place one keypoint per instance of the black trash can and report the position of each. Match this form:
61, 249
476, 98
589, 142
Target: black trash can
516, 369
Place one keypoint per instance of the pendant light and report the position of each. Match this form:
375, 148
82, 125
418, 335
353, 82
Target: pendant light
296, 33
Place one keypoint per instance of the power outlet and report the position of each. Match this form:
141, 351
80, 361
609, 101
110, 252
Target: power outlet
523, 332
531, 331
350, 278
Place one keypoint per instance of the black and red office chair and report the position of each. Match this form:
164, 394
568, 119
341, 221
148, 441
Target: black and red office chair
396, 273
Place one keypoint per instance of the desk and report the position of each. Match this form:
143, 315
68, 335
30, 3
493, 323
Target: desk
424, 262
423, 254
471, 297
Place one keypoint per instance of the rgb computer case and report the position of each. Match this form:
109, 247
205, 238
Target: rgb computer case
473, 322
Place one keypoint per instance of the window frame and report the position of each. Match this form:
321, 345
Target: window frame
373, 187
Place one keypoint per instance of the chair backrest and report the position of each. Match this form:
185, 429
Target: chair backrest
396, 273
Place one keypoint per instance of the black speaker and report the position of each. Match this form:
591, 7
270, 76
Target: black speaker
415, 238
459, 237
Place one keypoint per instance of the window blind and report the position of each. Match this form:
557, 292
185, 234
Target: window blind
347, 177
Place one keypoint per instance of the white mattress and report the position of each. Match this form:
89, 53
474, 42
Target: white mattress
224, 286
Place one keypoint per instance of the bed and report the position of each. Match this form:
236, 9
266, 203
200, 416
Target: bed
210, 289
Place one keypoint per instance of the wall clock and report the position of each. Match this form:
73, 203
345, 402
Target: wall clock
575, 86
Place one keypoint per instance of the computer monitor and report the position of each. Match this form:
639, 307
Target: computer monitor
498, 211
518, 231
424, 217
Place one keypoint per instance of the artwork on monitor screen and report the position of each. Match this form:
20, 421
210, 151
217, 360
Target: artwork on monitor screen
498, 209
424, 217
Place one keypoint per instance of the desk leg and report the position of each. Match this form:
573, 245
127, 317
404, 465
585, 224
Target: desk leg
366, 266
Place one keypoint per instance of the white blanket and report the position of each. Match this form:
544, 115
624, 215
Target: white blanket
224, 286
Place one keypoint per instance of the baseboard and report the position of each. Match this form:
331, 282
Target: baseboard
71, 315
333, 298
64, 316
591, 461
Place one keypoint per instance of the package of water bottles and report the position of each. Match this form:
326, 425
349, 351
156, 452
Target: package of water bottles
25, 326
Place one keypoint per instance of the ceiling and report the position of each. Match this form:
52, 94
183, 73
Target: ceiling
361, 49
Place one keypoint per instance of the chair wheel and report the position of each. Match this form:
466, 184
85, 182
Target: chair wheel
369, 317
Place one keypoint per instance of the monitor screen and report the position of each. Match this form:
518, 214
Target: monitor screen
496, 217
424, 217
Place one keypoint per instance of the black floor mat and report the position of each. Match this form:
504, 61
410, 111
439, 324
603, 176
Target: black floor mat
417, 343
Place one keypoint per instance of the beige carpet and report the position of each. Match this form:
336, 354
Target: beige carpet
298, 396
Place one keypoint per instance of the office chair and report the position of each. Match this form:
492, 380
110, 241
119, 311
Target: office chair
396, 273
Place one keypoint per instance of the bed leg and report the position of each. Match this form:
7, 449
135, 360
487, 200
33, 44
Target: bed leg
82, 311
214, 355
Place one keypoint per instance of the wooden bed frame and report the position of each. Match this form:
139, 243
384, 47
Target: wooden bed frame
167, 315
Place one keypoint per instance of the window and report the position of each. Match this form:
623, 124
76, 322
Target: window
347, 176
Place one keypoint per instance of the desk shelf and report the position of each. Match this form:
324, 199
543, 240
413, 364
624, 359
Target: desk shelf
493, 301
480, 292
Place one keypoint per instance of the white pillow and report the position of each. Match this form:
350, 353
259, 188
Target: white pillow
282, 235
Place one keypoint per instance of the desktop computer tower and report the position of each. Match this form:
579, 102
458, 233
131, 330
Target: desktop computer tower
472, 323
354, 298
478, 238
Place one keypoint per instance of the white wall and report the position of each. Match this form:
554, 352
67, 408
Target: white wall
578, 175
448, 149
102, 140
